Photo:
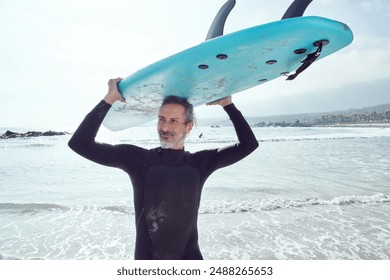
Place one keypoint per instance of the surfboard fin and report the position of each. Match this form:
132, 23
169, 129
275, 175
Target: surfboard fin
296, 9
216, 28
309, 59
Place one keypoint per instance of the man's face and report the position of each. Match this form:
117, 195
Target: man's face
171, 126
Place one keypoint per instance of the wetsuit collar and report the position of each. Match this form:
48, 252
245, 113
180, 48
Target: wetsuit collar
172, 157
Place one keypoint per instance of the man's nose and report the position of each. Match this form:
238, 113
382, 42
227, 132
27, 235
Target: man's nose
165, 126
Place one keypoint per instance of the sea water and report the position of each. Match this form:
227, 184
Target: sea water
305, 193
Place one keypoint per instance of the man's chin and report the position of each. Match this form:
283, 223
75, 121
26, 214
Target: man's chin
173, 143
166, 145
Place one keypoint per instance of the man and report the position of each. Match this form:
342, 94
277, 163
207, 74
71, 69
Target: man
167, 181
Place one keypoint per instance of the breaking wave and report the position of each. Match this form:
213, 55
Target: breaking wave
207, 207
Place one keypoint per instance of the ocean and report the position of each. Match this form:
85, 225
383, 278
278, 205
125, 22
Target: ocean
305, 194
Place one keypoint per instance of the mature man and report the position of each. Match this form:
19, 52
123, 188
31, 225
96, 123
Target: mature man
167, 181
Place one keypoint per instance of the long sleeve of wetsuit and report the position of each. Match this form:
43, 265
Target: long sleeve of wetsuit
83, 140
247, 141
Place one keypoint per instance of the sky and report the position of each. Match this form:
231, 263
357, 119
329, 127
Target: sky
56, 56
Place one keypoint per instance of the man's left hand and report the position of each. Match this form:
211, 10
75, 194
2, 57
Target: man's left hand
223, 101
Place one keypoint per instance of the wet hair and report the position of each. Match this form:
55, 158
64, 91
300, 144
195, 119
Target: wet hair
188, 107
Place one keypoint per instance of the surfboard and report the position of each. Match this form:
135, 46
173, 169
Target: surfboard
228, 64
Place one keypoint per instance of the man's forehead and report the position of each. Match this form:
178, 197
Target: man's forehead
171, 111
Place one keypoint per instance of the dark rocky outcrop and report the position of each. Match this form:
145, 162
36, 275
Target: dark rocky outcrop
10, 134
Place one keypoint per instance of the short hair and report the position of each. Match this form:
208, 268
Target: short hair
188, 107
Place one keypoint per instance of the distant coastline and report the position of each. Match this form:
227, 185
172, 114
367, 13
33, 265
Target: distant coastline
366, 117
375, 116
361, 125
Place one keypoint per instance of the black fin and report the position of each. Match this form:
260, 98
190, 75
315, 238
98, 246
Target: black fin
216, 28
297, 8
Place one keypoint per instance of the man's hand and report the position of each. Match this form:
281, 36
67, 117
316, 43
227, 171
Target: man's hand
223, 101
113, 92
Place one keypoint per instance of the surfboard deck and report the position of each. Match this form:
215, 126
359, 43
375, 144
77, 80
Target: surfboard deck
224, 66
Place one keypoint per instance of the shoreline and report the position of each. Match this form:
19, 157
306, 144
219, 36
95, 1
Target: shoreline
359, 125
345, 125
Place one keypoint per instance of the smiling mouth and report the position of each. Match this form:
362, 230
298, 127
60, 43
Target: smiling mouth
166, 135
167, 138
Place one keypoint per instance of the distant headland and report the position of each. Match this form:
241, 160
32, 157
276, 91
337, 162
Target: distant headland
10, 134
368, 116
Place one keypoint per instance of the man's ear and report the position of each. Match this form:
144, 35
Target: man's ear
189, 127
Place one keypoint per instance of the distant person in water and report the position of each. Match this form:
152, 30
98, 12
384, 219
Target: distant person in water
167, 181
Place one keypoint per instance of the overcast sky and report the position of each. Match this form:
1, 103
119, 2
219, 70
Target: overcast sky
56, 56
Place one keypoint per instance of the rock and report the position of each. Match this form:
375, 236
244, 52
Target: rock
32, 134
53, 133
9, 134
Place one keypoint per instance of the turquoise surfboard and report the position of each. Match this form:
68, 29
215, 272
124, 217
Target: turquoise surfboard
227, 65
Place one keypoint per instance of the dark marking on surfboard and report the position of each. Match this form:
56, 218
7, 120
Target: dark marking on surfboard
272, 61
253, 66
263, 80
203, 66
221, 83
346, 27
322, 42
222, 56
300, 51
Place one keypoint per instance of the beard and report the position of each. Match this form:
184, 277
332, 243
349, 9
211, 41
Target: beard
170, 144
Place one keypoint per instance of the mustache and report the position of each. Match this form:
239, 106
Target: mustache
167, 133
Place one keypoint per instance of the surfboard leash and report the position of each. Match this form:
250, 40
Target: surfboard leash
311, 57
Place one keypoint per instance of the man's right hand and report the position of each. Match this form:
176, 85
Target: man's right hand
113, 93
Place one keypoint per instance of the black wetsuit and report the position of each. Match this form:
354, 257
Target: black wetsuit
167, 183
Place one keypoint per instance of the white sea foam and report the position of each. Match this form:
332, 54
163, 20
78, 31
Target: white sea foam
207, 207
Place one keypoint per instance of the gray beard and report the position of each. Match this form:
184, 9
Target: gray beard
165, 145
169, 145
